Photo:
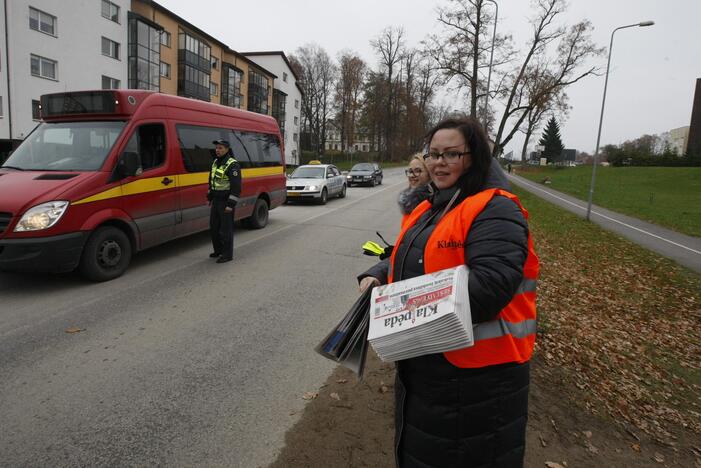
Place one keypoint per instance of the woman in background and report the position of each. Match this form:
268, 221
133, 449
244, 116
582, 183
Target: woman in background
419, 188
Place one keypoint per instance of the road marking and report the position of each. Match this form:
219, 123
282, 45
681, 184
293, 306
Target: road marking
606, 217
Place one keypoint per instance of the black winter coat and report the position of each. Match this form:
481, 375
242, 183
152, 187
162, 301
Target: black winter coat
448, 416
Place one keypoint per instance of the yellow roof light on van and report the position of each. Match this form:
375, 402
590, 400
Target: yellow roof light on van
314, 161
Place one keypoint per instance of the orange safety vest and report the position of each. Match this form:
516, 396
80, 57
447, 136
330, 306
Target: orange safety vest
510, 336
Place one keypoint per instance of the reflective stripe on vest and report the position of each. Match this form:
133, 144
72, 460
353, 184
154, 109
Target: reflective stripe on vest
218, 175
510, 336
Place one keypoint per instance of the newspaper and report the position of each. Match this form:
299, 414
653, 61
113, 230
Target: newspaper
423, 315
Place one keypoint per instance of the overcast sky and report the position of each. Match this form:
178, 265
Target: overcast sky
653, 69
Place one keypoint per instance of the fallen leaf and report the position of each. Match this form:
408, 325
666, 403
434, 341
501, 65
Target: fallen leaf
342, 381
542, 441
587, 434
384, 389
551, 464
335, 396
591, 448
635, 447
310, 395
74, 330
659, 458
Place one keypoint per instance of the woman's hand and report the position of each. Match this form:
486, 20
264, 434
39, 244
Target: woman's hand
368, 282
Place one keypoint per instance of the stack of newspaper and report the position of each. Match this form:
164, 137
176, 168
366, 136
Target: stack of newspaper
423, 315
347, 342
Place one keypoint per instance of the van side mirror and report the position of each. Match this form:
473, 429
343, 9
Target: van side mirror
129, 164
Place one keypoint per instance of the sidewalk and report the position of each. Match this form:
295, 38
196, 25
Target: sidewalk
683, 249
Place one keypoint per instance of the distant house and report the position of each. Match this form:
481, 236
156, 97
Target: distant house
361, 140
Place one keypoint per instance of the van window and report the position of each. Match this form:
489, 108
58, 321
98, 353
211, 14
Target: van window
239, 150
263, 149
196, 146
148, 141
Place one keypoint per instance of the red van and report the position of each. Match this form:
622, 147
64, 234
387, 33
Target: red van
109, 173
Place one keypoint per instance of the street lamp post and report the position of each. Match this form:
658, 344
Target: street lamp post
491, 59
601, 117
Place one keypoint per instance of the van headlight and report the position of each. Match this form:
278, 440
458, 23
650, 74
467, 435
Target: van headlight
42, 216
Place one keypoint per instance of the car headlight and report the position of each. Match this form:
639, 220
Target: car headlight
313, 187
42, 216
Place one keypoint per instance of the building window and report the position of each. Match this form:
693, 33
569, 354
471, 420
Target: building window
279, 108
213, 89
43, 22
165, 38
284, 77
144, 55
165, 70
110, 48
1, 107
110, 83
215, 63
296, 120
36, 110
194, 67
232, 78
294, 137
110, 11
296, 103
43, 67
257, 92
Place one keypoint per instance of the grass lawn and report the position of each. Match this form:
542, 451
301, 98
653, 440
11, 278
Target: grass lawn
622, 322
668, 196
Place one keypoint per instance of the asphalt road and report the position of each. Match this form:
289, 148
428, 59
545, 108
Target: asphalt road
183, 362
685, 250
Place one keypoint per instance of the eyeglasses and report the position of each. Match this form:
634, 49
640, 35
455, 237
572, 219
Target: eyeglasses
413, 172
450, 157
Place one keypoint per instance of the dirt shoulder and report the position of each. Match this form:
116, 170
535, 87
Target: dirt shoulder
350, 424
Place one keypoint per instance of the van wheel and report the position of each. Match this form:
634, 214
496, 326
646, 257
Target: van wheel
324, 197
343, 192
259, 218
373, 182
106, 254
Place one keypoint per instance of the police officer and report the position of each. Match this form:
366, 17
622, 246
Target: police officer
223, 194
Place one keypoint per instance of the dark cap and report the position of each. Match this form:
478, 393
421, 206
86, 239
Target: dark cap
222, 142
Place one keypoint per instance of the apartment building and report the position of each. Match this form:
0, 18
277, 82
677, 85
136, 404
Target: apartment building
287, 98
46, 48
173, 56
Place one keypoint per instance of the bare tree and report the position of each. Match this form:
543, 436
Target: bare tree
349, 87
461, 54
555, 55
573, 49
535, 87
317, 76
389, 45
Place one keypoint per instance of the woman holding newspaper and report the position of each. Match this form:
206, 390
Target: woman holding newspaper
467, 407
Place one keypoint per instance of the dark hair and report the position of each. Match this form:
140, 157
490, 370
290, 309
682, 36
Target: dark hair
472, 181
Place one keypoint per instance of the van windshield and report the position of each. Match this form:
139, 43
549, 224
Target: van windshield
66, 146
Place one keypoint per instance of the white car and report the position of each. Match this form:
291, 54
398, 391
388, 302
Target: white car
316, 182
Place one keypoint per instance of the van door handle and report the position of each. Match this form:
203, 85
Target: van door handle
167, 181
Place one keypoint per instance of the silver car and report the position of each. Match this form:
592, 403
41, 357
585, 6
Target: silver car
316, 182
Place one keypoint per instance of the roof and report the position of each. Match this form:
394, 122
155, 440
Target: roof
284, 57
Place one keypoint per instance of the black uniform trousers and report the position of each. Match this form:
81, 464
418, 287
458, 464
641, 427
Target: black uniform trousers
221, 227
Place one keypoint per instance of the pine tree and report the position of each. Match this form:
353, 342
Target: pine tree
552, 142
